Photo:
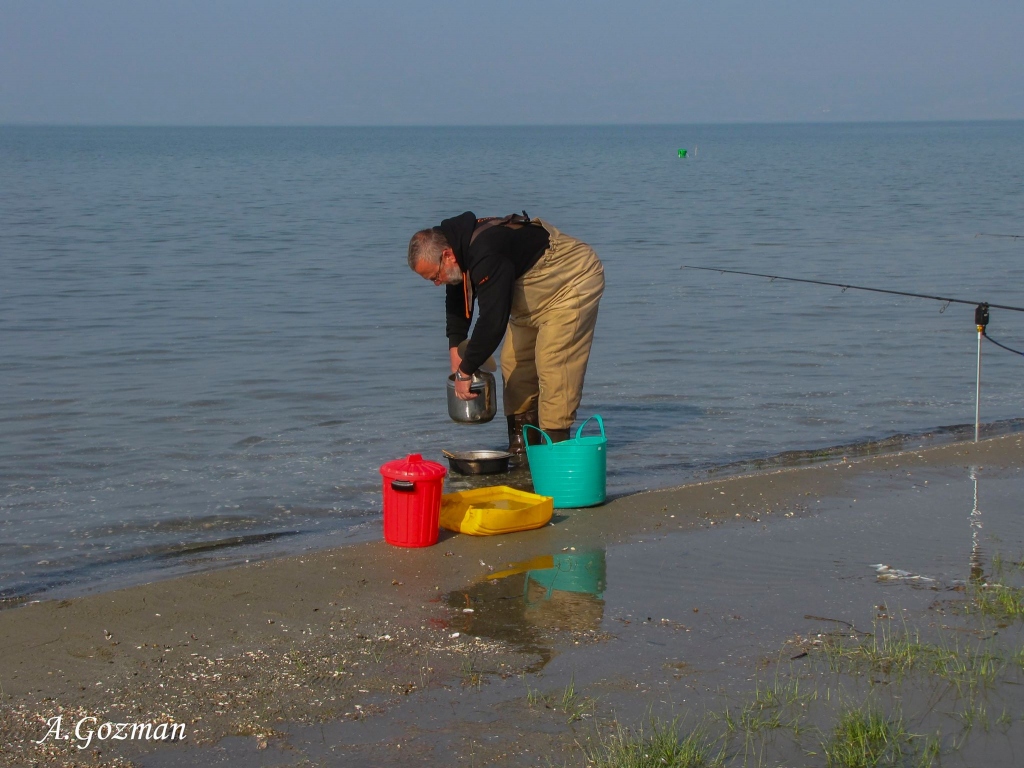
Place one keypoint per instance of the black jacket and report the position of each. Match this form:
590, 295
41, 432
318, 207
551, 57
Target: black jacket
498, 257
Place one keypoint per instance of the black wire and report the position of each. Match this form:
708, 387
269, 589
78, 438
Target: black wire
855, 287
1001, 345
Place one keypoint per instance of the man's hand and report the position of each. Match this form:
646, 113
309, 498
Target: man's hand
462, 387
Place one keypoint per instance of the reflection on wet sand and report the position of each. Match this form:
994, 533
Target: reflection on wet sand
977, 566
563, 592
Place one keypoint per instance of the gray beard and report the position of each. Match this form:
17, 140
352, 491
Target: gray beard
453, 277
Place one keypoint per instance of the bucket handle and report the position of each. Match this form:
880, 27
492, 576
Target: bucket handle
403, 485
579, 432
600, 422
538, 429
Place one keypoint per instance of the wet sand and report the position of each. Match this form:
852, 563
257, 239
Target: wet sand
370, 654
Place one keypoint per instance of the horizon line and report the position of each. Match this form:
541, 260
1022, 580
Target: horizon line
29, 124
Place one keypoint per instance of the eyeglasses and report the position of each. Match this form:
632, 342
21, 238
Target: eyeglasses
437, 275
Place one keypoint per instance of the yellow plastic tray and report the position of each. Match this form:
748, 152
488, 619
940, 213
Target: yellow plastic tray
493, 510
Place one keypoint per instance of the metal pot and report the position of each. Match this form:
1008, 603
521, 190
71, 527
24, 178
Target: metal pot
479, 410
478, 462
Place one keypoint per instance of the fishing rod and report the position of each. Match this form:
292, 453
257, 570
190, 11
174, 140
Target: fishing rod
981, 316
979, 305
845, 287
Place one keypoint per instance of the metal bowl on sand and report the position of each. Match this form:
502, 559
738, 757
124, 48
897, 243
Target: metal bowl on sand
478, 462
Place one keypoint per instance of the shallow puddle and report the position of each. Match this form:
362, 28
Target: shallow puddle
896, 540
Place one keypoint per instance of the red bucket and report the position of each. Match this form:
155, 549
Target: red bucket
412, 501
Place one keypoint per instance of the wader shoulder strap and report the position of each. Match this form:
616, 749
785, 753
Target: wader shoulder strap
512, 221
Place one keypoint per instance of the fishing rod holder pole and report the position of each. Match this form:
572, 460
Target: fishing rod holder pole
981, 321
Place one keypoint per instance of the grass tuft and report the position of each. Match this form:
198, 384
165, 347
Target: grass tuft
771, 704
886, 652
533, 696
664, 746
572, 704
866, 738
969, 667
575, 706
998, 601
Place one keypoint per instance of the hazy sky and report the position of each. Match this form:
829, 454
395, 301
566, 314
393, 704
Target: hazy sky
382, 62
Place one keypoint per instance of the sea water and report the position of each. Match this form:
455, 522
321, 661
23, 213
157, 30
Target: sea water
211, 340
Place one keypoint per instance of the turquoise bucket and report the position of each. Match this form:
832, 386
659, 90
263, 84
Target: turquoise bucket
571, 472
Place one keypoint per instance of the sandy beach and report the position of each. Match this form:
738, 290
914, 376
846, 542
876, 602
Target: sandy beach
376, 655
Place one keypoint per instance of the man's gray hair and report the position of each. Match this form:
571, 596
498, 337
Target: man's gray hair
427, 245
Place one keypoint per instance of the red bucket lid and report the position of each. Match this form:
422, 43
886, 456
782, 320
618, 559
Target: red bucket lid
413, 467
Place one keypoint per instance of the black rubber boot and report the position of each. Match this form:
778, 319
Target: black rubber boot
515, 438
516, 446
